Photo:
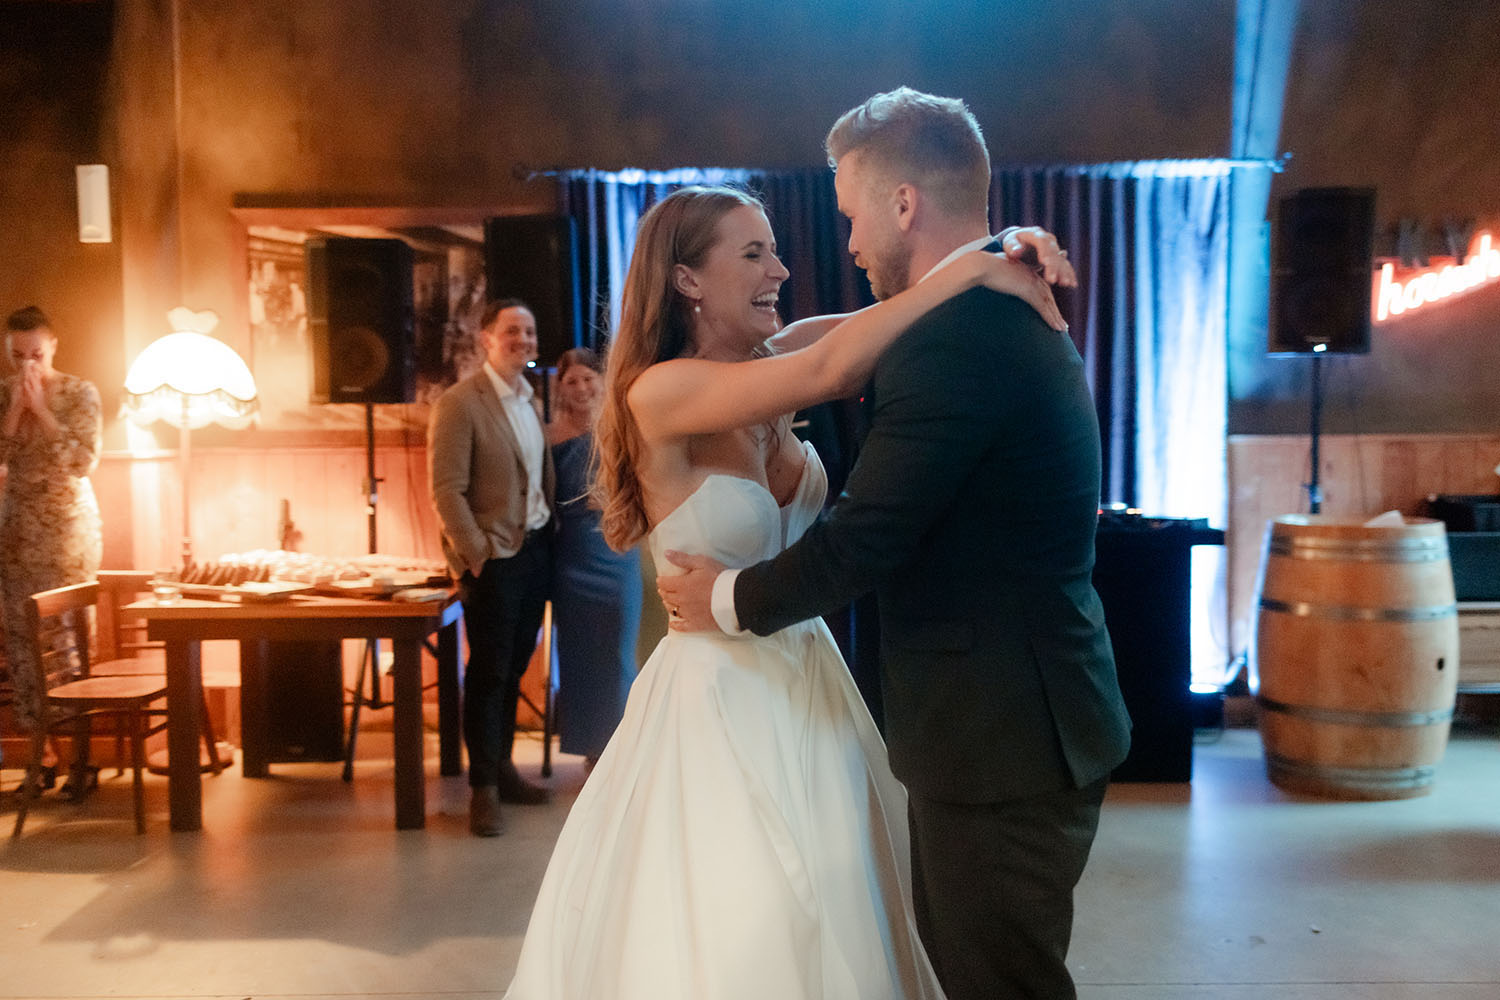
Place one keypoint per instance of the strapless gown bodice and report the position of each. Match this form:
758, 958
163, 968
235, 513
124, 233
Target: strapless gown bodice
741, 838
737, 521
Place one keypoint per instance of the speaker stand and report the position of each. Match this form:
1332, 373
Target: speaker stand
1314, 490
372, 488
370, 660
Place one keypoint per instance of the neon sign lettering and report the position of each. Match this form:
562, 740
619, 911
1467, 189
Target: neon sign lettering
1433, 284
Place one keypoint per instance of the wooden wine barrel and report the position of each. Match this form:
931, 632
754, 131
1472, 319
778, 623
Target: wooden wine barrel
1357, 655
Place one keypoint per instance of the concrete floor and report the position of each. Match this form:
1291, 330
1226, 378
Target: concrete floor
299, 887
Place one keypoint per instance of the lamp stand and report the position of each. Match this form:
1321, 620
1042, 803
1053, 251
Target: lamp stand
184, 458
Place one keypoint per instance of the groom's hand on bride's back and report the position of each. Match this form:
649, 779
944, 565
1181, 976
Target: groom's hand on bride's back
688, 596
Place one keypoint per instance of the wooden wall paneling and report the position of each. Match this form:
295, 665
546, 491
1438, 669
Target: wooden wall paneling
346, 522
111, 482
1265, 476
155, 506
1428, 472
237, 495
301, 478
394, 518
224, 486
1402, 468
1469, 465
1349, 476
408, 522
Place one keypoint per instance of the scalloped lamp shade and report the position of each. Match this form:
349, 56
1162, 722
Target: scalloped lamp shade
190, 380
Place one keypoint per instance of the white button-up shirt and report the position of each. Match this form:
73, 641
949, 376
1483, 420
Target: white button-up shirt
515, 400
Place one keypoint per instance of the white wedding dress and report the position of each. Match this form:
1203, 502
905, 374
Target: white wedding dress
742, 837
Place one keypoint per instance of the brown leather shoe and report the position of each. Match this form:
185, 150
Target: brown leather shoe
484, 812
517, 790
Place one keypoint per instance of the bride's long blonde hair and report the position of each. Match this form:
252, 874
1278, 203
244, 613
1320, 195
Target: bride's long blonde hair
680, 229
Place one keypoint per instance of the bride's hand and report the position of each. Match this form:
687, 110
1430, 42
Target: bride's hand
1038, 249
1005, 275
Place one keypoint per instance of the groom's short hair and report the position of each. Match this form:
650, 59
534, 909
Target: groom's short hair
933, 142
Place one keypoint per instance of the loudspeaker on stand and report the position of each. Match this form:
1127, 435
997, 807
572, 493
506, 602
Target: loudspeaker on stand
362, 320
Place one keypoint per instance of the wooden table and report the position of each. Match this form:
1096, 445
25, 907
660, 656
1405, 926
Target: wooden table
184, 626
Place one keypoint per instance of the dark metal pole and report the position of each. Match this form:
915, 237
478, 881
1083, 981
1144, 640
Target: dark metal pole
1314, 491
370, 661
372, 490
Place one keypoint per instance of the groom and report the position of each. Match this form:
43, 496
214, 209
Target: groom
971, 512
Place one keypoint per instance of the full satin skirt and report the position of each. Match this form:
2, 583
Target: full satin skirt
741, 838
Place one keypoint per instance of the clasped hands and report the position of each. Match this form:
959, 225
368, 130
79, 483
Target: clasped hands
30, 397
1038, 249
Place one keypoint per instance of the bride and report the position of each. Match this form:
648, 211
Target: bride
741, 838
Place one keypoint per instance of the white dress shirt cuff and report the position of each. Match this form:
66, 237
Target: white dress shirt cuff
722, 603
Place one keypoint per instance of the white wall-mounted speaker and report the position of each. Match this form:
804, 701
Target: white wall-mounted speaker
93, 203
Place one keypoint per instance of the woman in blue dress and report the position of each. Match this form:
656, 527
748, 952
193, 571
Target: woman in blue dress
596, 592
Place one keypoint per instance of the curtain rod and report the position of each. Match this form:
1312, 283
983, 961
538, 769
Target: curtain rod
1119, 168
1201, 166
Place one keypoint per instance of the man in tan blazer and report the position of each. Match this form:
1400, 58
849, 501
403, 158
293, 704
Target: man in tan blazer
492, 484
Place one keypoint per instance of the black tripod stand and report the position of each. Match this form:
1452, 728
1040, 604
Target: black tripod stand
369, 662
1314, 490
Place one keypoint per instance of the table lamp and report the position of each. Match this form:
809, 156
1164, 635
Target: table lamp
189, 379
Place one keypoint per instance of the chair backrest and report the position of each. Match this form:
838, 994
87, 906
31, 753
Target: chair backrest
62, 620
121, 635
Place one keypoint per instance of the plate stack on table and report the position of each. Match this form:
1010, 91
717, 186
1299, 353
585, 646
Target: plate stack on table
305, 682
265, 574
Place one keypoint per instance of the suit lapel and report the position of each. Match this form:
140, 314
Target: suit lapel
494, 410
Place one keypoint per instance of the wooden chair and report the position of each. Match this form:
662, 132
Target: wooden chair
73, 696
121, 637
124, 649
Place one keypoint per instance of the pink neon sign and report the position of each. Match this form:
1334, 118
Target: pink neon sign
1425, 286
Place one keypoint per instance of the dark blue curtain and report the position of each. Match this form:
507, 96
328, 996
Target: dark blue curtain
1150, 243
810, 235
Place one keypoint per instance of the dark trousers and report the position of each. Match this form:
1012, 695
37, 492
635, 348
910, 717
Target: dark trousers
993, 890
503, 609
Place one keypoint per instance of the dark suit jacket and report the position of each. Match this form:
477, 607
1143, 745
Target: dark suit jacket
971, 512
477, 475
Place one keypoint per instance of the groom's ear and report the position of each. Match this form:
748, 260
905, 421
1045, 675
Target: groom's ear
905, 200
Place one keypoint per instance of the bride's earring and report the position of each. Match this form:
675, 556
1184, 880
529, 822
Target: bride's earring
697, 309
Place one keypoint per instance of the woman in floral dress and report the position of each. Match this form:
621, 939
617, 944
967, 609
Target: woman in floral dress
49, 520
